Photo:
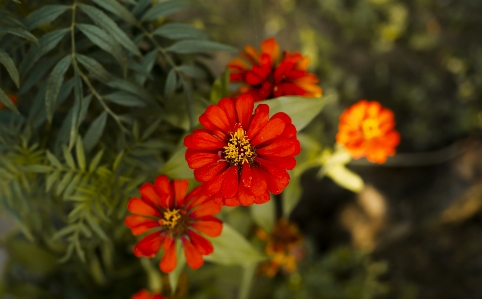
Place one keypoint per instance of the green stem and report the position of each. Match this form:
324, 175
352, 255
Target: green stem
247, 280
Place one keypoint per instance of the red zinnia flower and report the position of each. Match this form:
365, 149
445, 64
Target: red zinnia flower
144, 294
269, 78
367, 129
240, 156
165, 207
12, 98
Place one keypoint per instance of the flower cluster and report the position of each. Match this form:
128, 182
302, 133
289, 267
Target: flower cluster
165, 208
267, 77
367, 129
144, 294
239, 156
283, 248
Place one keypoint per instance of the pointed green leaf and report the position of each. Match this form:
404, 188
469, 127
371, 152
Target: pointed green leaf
291, 196
192, 71
181, 262
95, 161
54, 83
104, 21
171, 84
178, 31
147, 64
51, 180
95, 131
104, 41
20, 32
44, 15
346, 178
231, 248
10, 66
117, 9
79, 151
77, 109
124, 99
301, 110
5, 100
96, 70
197, 46
164, 9
68, 158
96, 227
176, 167
53, 160
66, 179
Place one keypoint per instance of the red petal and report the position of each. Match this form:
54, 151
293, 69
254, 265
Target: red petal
149, 245
150, 195
197, 159
228, 106
271, 130
230, 185
202, 244
280, 148
217, 117
284, 162
169, 260
276, 177
139, 224
180, 189
259, 185
246, 176
164, 188
209, 225
214, 186
140, 207
207, 208
254, 79
231, 202
244, 110
209, 171
260, 119
206, 141
244, 195
193, 257
262, 198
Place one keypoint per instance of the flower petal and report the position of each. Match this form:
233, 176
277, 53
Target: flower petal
209, 225
216, 116
259, 185
228, 106
206, 209
246, 198
271, 47
206, 141
180, 189
263, 198
139, 224
193, 257
260, 119
202, 244
150, 194
149, 245
244, 110
271, 130
230, 184
214, 186
197, 159
246, 176
169, 259
210, 171
141, 207
164, 188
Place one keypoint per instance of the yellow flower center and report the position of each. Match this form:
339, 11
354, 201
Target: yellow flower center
239, 150
371, 128
171, 218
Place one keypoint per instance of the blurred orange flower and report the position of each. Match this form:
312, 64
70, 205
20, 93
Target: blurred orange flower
283, 248
366, 129
166, 209
265, 77
144, 294
12, 98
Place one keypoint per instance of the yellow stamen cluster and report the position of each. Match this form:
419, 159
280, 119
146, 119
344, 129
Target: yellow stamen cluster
239, 150
171, 218
371, 128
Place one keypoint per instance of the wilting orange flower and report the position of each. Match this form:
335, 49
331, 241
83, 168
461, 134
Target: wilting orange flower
283, 247
269, 78
241, 157
144, 294
165, 208
367, 129
12, 98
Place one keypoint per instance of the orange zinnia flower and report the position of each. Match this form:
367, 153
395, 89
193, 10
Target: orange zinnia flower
239, 156
12, 98
283, 247
144, 294
367, 129
269, 78
165, 208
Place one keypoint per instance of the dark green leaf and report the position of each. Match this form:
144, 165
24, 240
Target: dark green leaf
164, 8
54, 83
45, 45
171, 84
37, 73
125, 99
80, 153
141, 6
95, 131
197, 46
180, 31
10, 66
117, 9
96, 160
103, 20
44, 15
131, 87
78, 107
96, 227
5, 100
53, 160
139, 69
192, 71
95, 69
104, 41
19, 32
147, 63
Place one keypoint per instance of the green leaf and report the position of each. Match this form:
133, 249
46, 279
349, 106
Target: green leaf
20, 32
124, 99
147, 64
220, 88
192, 71
96, 70
10, 66
181, 262
171, 84
79, 151
141, 6
103, 20
96, 227
178, 31
54, 83
197, 46
231, 248
301, 110
346, 178
37, 73
104, 41
164, 8
264, 215
44, 15
53, 160
176, 167
64, 232
95, 131
68, 158
77, 109
291, 196
96, 160
51, 180
45, 44
5, 100
66, 179
37, 168
117, 9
